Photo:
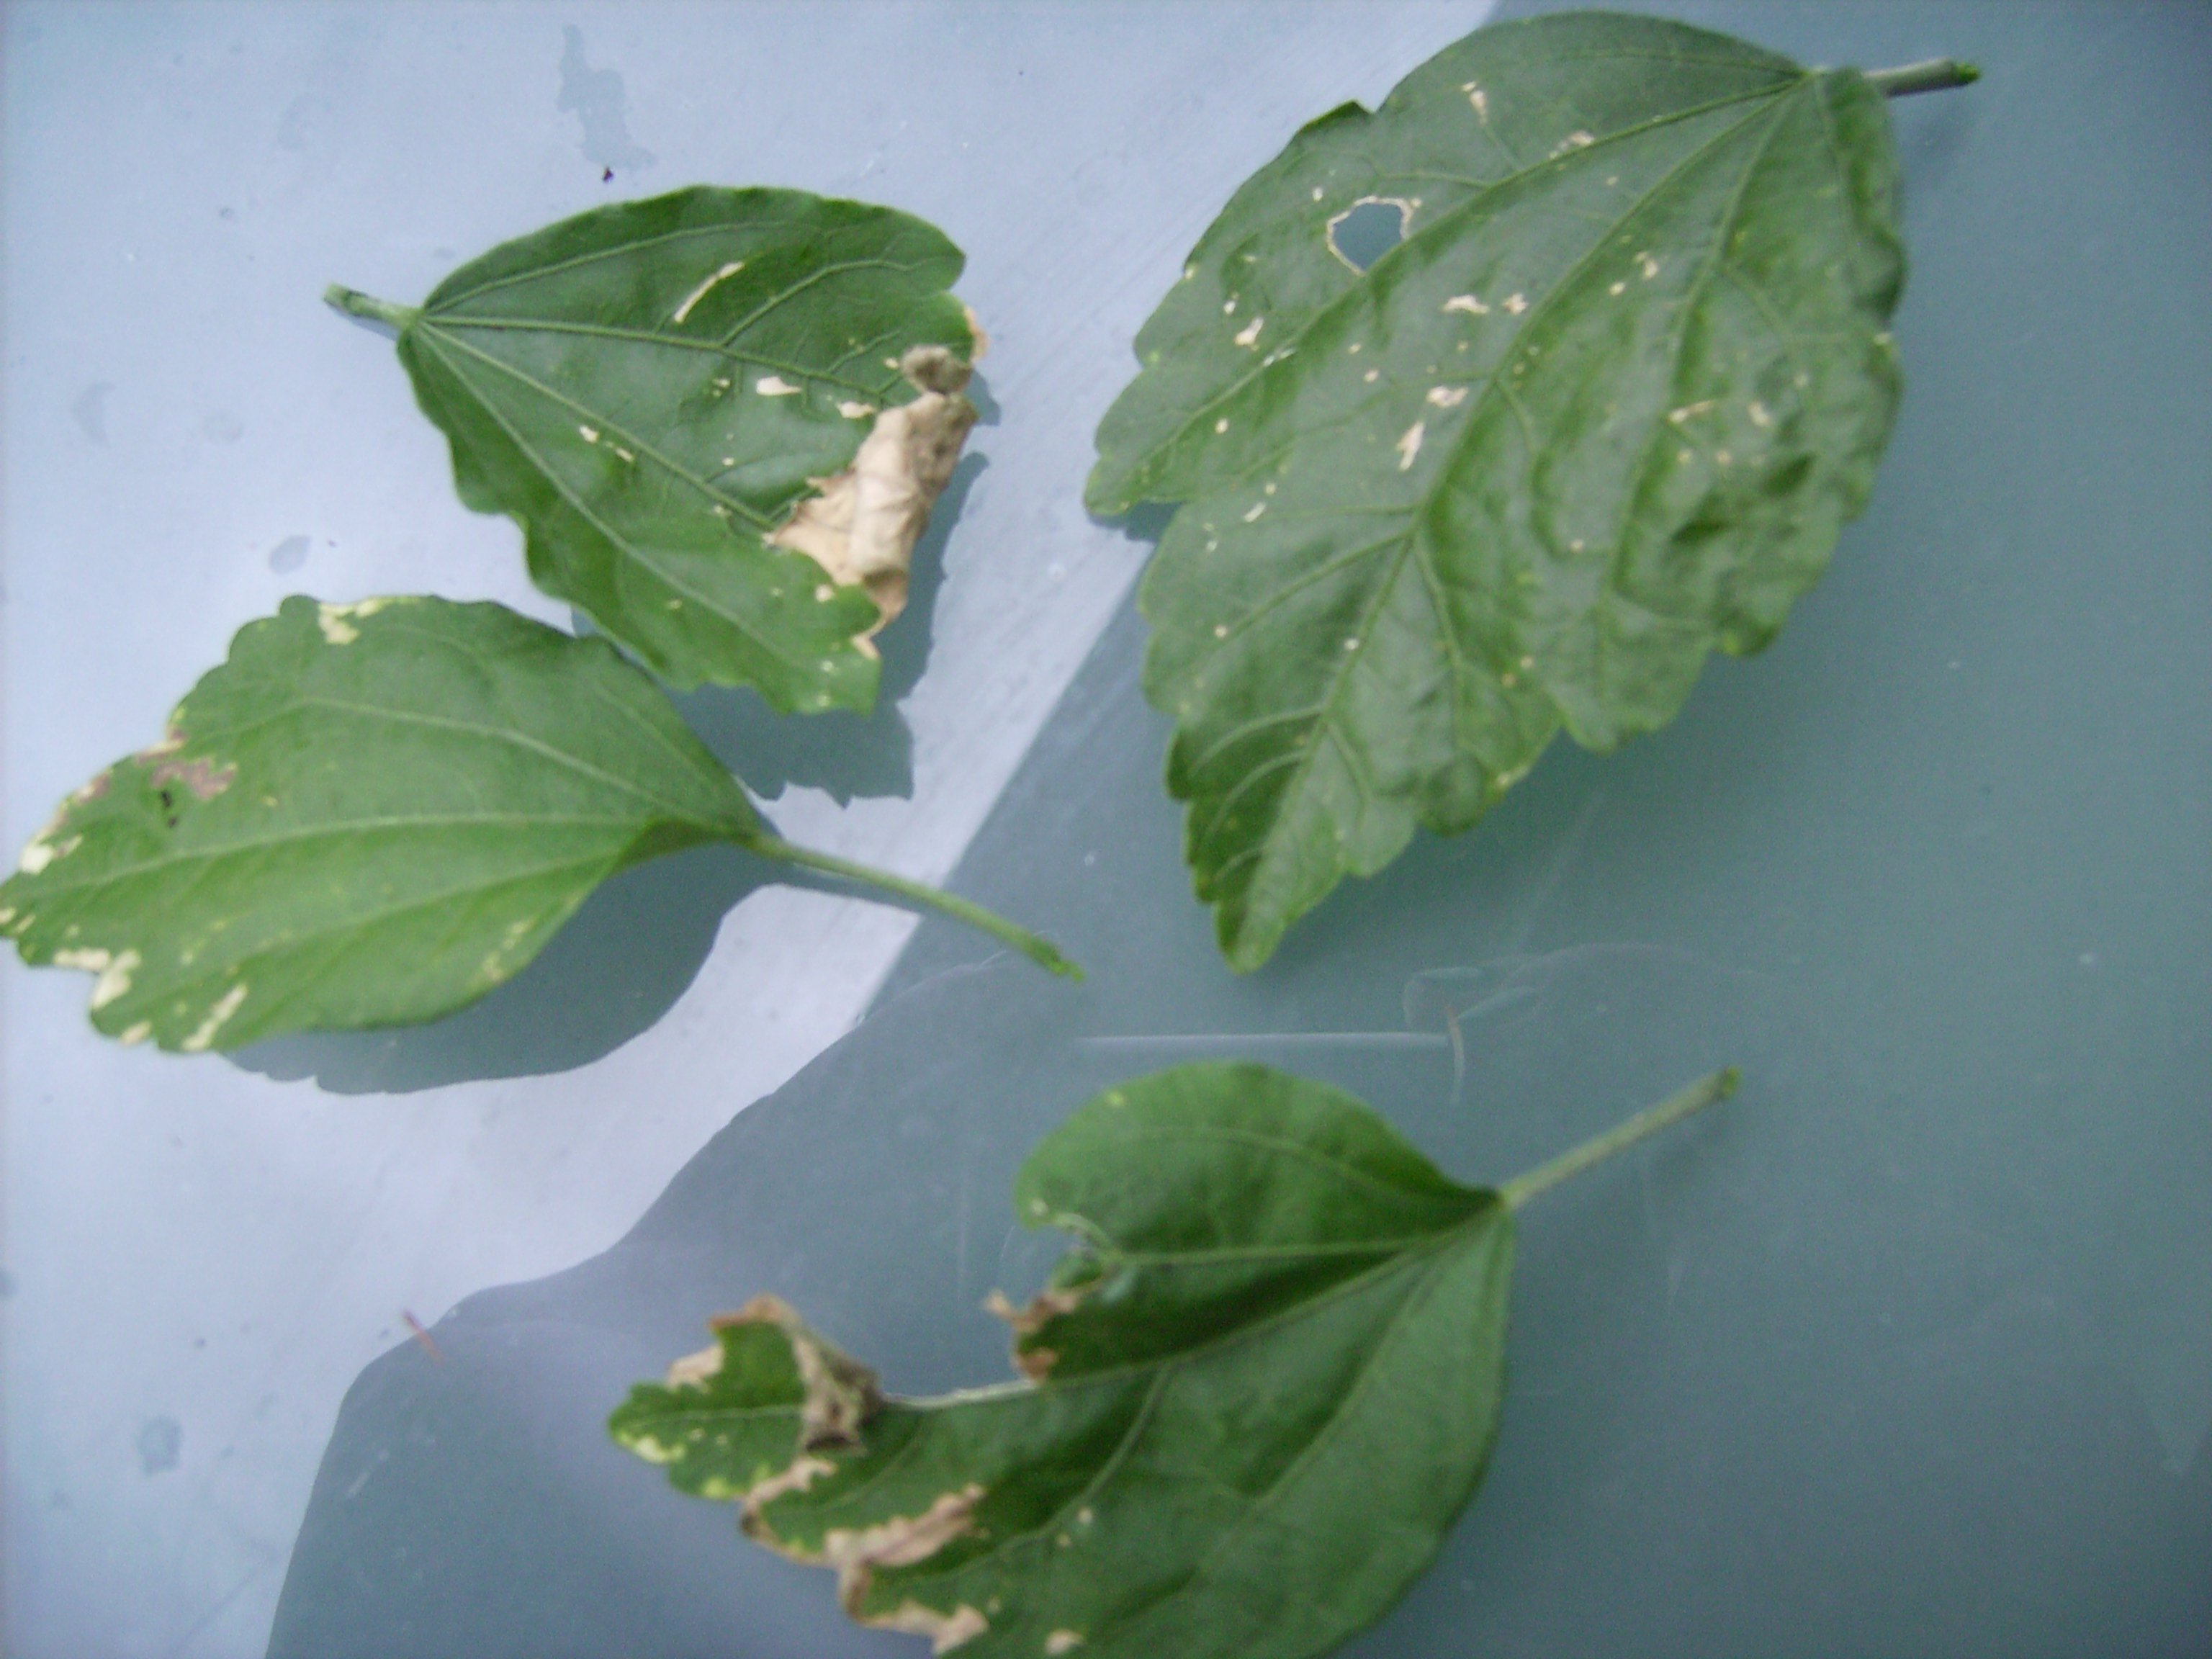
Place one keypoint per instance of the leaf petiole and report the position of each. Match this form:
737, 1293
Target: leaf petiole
1042, 951
1649, 1121
355, 303
1930, 75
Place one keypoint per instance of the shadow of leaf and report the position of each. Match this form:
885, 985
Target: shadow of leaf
620, 964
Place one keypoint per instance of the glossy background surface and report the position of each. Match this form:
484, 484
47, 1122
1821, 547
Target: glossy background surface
1909, 1350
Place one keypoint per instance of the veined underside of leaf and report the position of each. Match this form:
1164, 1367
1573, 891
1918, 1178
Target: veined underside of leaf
657, 390
1254, 1398
372, 814
1601, 411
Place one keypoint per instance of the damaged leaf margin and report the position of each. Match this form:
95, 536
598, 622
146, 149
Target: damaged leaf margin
1255, 1396
861, 524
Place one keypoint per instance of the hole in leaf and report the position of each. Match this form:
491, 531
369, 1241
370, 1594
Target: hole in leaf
1368, 230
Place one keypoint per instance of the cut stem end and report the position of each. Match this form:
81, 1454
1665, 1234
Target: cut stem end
1932, 75
355, 303
1677, 1106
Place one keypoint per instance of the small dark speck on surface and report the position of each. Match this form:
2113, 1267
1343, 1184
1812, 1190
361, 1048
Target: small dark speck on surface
161, 1445
289, 555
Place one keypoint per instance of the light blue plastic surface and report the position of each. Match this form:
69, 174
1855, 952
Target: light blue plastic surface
1907, 1351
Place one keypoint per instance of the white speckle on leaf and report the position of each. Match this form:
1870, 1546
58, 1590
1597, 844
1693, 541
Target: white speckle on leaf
1250, 334
1618, 290
1678, 415
1084, 1516
1221, 631
1759, 413
1351, 642
1467, 303
852, 410
774, 386
114, 979
1409, 445
1576, 546
1724, 457
40, 852
1060, 1641
1316, 192
1229, 308
88, 960
1479, 99
1221, 425
337, 622
1447, 396
1648, 265
620, 451
1515, 303
1683, 456
1573, 141
590, 434
702, 291
136, 1034
1372, 375
218, 1018
1258, 508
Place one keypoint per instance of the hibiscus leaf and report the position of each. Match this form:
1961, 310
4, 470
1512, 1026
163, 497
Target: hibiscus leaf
373, 814
1254, 1397
673, 396
1599, 411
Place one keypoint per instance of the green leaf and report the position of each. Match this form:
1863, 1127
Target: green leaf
373, 814
1254, 1397
1600, 412
672, 396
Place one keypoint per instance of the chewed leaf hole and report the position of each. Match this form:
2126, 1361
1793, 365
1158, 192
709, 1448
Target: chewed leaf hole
1368, 230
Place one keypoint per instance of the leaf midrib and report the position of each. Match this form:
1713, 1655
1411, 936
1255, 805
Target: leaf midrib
451, 327
1301, 757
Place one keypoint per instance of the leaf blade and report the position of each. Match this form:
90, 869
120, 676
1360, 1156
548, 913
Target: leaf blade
1469, 501
1153, 1501
654, 389
368, 815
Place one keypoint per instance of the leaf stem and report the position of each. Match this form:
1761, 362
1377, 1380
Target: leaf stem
1042, 951
1930, 75
355, 303
1649, 1121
